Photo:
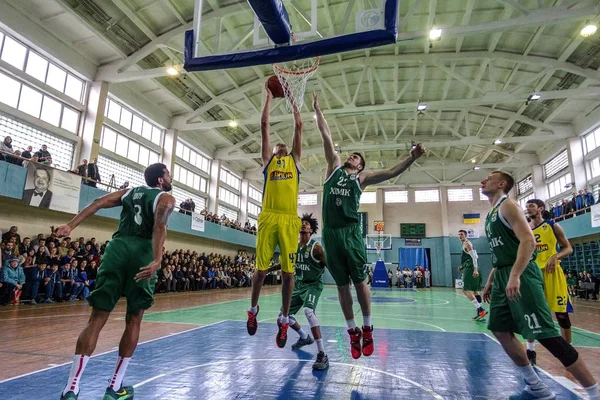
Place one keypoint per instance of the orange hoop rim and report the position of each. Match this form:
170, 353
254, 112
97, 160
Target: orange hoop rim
307, 71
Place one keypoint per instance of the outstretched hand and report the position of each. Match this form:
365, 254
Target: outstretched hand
315, 101
268, 91
417, 151
63, 230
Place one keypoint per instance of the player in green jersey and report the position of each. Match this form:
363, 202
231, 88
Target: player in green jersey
470, 272
515, 290
342, 238
309, 262
128, 267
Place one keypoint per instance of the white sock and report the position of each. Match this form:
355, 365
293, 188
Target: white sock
79, 363
321, 347
593, 392
530, 376
253, 310
284, 320
303, 335
531, 346
351, 324
120, 369
476, 303
367, 320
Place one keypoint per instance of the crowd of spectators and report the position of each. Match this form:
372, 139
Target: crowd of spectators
23, 157
579, 203
418, 277
223, 220
48, 269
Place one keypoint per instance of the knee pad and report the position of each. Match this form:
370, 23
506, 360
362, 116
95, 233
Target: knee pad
561, 349
563, 320
311, 317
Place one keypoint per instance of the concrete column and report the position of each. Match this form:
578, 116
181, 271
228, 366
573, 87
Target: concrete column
244, 201
446, 276
577, 163
444, 206
92, 123
169, 146
213, 186
540, 191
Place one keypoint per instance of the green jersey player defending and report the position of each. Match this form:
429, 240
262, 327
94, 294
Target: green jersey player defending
471, 278
310, 264
515, 289
128, 267
342, 238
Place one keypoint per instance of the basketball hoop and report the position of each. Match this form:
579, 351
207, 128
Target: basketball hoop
378, 246
293, 76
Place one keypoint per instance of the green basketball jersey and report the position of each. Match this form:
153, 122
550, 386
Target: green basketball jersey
341, 199
137, 216
504, 244
308, 269
465, 259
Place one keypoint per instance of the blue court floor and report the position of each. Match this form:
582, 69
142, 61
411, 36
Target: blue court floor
221, 361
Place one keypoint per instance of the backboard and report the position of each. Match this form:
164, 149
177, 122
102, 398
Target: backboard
378, 242
254, 32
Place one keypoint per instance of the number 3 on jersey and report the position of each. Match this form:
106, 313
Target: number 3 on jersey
138, 215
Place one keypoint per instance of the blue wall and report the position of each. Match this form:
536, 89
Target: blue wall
12, 182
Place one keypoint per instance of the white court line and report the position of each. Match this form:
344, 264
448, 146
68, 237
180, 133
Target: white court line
111, 351
203, 305
426, 389
541, 370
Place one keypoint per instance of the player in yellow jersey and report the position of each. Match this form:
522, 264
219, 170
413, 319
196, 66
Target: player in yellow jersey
551, 245
278, 223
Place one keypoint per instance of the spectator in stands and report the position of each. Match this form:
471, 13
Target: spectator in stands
13, 278
16, 160
589, 278
82, 169
6, 149
27, 152
427, 278
589, 198
25, 246
8, 252
125, 185
93, 173
53, 284
83, 279
43, 154
418, 276
572, 284
34, 159
38, 280
12, 232
48, 162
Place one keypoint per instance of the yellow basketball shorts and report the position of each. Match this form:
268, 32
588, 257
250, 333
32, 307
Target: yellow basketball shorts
275, 229
555, 290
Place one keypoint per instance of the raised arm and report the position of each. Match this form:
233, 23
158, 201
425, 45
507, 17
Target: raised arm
319, 254
266, 150
375, 177
108, 201
332, 158
164, 208
297, 138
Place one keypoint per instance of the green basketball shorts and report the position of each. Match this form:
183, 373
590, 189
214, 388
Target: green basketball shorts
305, 295
120, 263
346, 254
529, 316
470, 282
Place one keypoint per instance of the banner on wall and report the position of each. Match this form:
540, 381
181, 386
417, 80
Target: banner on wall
471, 218
472, 233
595, 215
53, 189
197, 222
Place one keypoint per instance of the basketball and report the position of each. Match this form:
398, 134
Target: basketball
275, 86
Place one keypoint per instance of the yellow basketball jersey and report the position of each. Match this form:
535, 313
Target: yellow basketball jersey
546, 243
282, 179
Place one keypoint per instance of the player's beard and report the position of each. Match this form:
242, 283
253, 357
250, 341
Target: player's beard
167, 187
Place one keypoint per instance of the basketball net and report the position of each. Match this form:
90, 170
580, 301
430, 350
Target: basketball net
293, 76
378, 248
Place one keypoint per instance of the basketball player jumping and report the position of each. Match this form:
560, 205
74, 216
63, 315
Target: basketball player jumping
308, 286
515, 290
342, 238
471, 277
278, 223
551, 245
128, 267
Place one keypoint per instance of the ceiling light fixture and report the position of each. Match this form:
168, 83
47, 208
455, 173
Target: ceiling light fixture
233, 124
535, 96
435, 33
588, 30
172, 71
421, 107
475, 168
497, 141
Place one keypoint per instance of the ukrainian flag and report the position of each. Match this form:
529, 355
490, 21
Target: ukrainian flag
471, 218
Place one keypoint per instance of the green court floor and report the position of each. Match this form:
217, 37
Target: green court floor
438, 309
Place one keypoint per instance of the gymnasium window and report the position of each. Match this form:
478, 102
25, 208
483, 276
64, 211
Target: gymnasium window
122, 173
591, 141
229, 197
230, 179
460, 194
525, 185
127, 148
560, 185
368, 198
182, 195
255, 194
595, 192
188, 178
557, 165
307, 199
482, 197
185, 152
252, 221
37, 104
133, 121
229, 212
40, 68
396, 196
594, 167
523, 200
24, 135
427, 196
254, 209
